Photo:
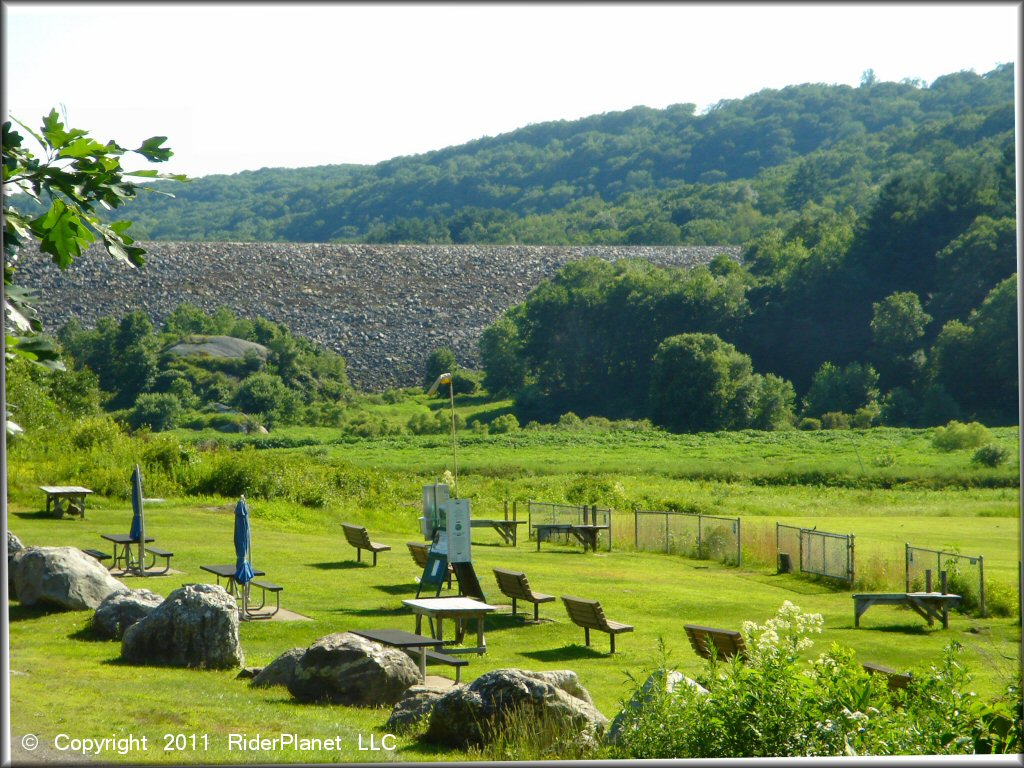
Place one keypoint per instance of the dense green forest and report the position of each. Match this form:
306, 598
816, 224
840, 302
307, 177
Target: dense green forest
643, 176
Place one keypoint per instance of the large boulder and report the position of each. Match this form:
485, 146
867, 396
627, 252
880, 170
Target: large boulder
416, 704
279, 671
344, 668
122, 609
14, 547
196, 626
474, 714
65, 577
667, 683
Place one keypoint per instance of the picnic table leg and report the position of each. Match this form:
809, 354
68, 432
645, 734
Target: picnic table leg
423, 663
481, 643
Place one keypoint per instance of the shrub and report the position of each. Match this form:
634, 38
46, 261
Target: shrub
570, 420
866, 416
809, 424
505, 424
835, 420
157, 410
991, 455
956, 436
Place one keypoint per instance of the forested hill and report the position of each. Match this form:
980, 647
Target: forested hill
643, 176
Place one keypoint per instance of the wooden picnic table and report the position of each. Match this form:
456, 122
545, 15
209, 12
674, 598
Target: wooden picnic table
458, 608
506, 528
584, 534
928, 605
65, 498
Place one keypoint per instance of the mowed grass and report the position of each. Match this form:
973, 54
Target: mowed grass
64, 680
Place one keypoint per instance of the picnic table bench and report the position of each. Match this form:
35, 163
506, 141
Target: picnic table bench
894, 678
68, 499
507, 529
709, 642
515, 585
358, 537
928, 605
589, 615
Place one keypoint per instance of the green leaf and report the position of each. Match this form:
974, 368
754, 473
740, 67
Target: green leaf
151, 149
84, 147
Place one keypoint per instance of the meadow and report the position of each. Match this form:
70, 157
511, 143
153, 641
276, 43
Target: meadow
886, 486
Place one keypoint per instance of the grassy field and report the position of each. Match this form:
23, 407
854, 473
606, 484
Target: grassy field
66, 681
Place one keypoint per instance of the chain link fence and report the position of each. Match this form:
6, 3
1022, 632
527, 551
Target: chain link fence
548, 513
690, 534
965, 575
817, 552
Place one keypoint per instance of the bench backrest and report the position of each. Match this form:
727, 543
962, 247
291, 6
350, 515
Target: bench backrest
513, 584
725, 642
356, 535
585, 613
418, 552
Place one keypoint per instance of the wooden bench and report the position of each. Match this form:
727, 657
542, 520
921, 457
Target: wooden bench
358, 537
515, 585
266, 586
589, 615
419, 551
895, 679
101, 556
709, 642
165, 554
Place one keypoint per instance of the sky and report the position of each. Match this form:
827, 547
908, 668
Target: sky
245, 86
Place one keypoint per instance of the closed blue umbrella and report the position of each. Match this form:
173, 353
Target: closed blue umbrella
243, 568
138, 529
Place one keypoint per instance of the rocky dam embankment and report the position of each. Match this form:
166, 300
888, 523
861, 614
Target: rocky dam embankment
385, 308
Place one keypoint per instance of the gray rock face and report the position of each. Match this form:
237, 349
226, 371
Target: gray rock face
416, 703
347, 669
14, 546
64, 577
122, 609
674, 681
384, 307
279, 671
471, 715
196, 626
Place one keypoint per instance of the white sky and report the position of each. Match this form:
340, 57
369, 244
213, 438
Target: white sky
245, 86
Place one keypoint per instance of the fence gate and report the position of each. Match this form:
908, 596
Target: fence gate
817, 552
966, 573
691, 534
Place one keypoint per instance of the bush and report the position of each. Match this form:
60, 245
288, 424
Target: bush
991, 455
866, 416
570, 420
956, 436
835, 420
505, 424
157, 410
809, 424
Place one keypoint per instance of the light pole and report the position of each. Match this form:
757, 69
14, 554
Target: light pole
446, 378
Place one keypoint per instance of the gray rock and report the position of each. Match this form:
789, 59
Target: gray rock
473, 714
196, 626
13, 544
348, 669
14, 547
416, 704
279, 671
671, 683
64, 577
122, 609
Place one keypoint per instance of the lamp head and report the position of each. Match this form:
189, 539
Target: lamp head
444, 378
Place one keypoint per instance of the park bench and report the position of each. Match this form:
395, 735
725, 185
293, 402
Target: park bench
514, 584
709, 642
894, 678
419, 552
358, 537
101, 556
165, 554
589, 615
434, 657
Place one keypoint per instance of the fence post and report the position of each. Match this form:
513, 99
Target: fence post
609, 526
800, 547
667, 548
906, 565
739, 544
981, 582
636, 529
853, 559
700, 536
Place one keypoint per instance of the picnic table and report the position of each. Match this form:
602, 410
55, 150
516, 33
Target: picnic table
928, 605
123, 549
458, 608
401, 639
65, 498
228, 572
584, 534
506, 528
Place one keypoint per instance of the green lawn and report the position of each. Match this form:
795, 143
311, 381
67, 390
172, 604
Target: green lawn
66, 681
